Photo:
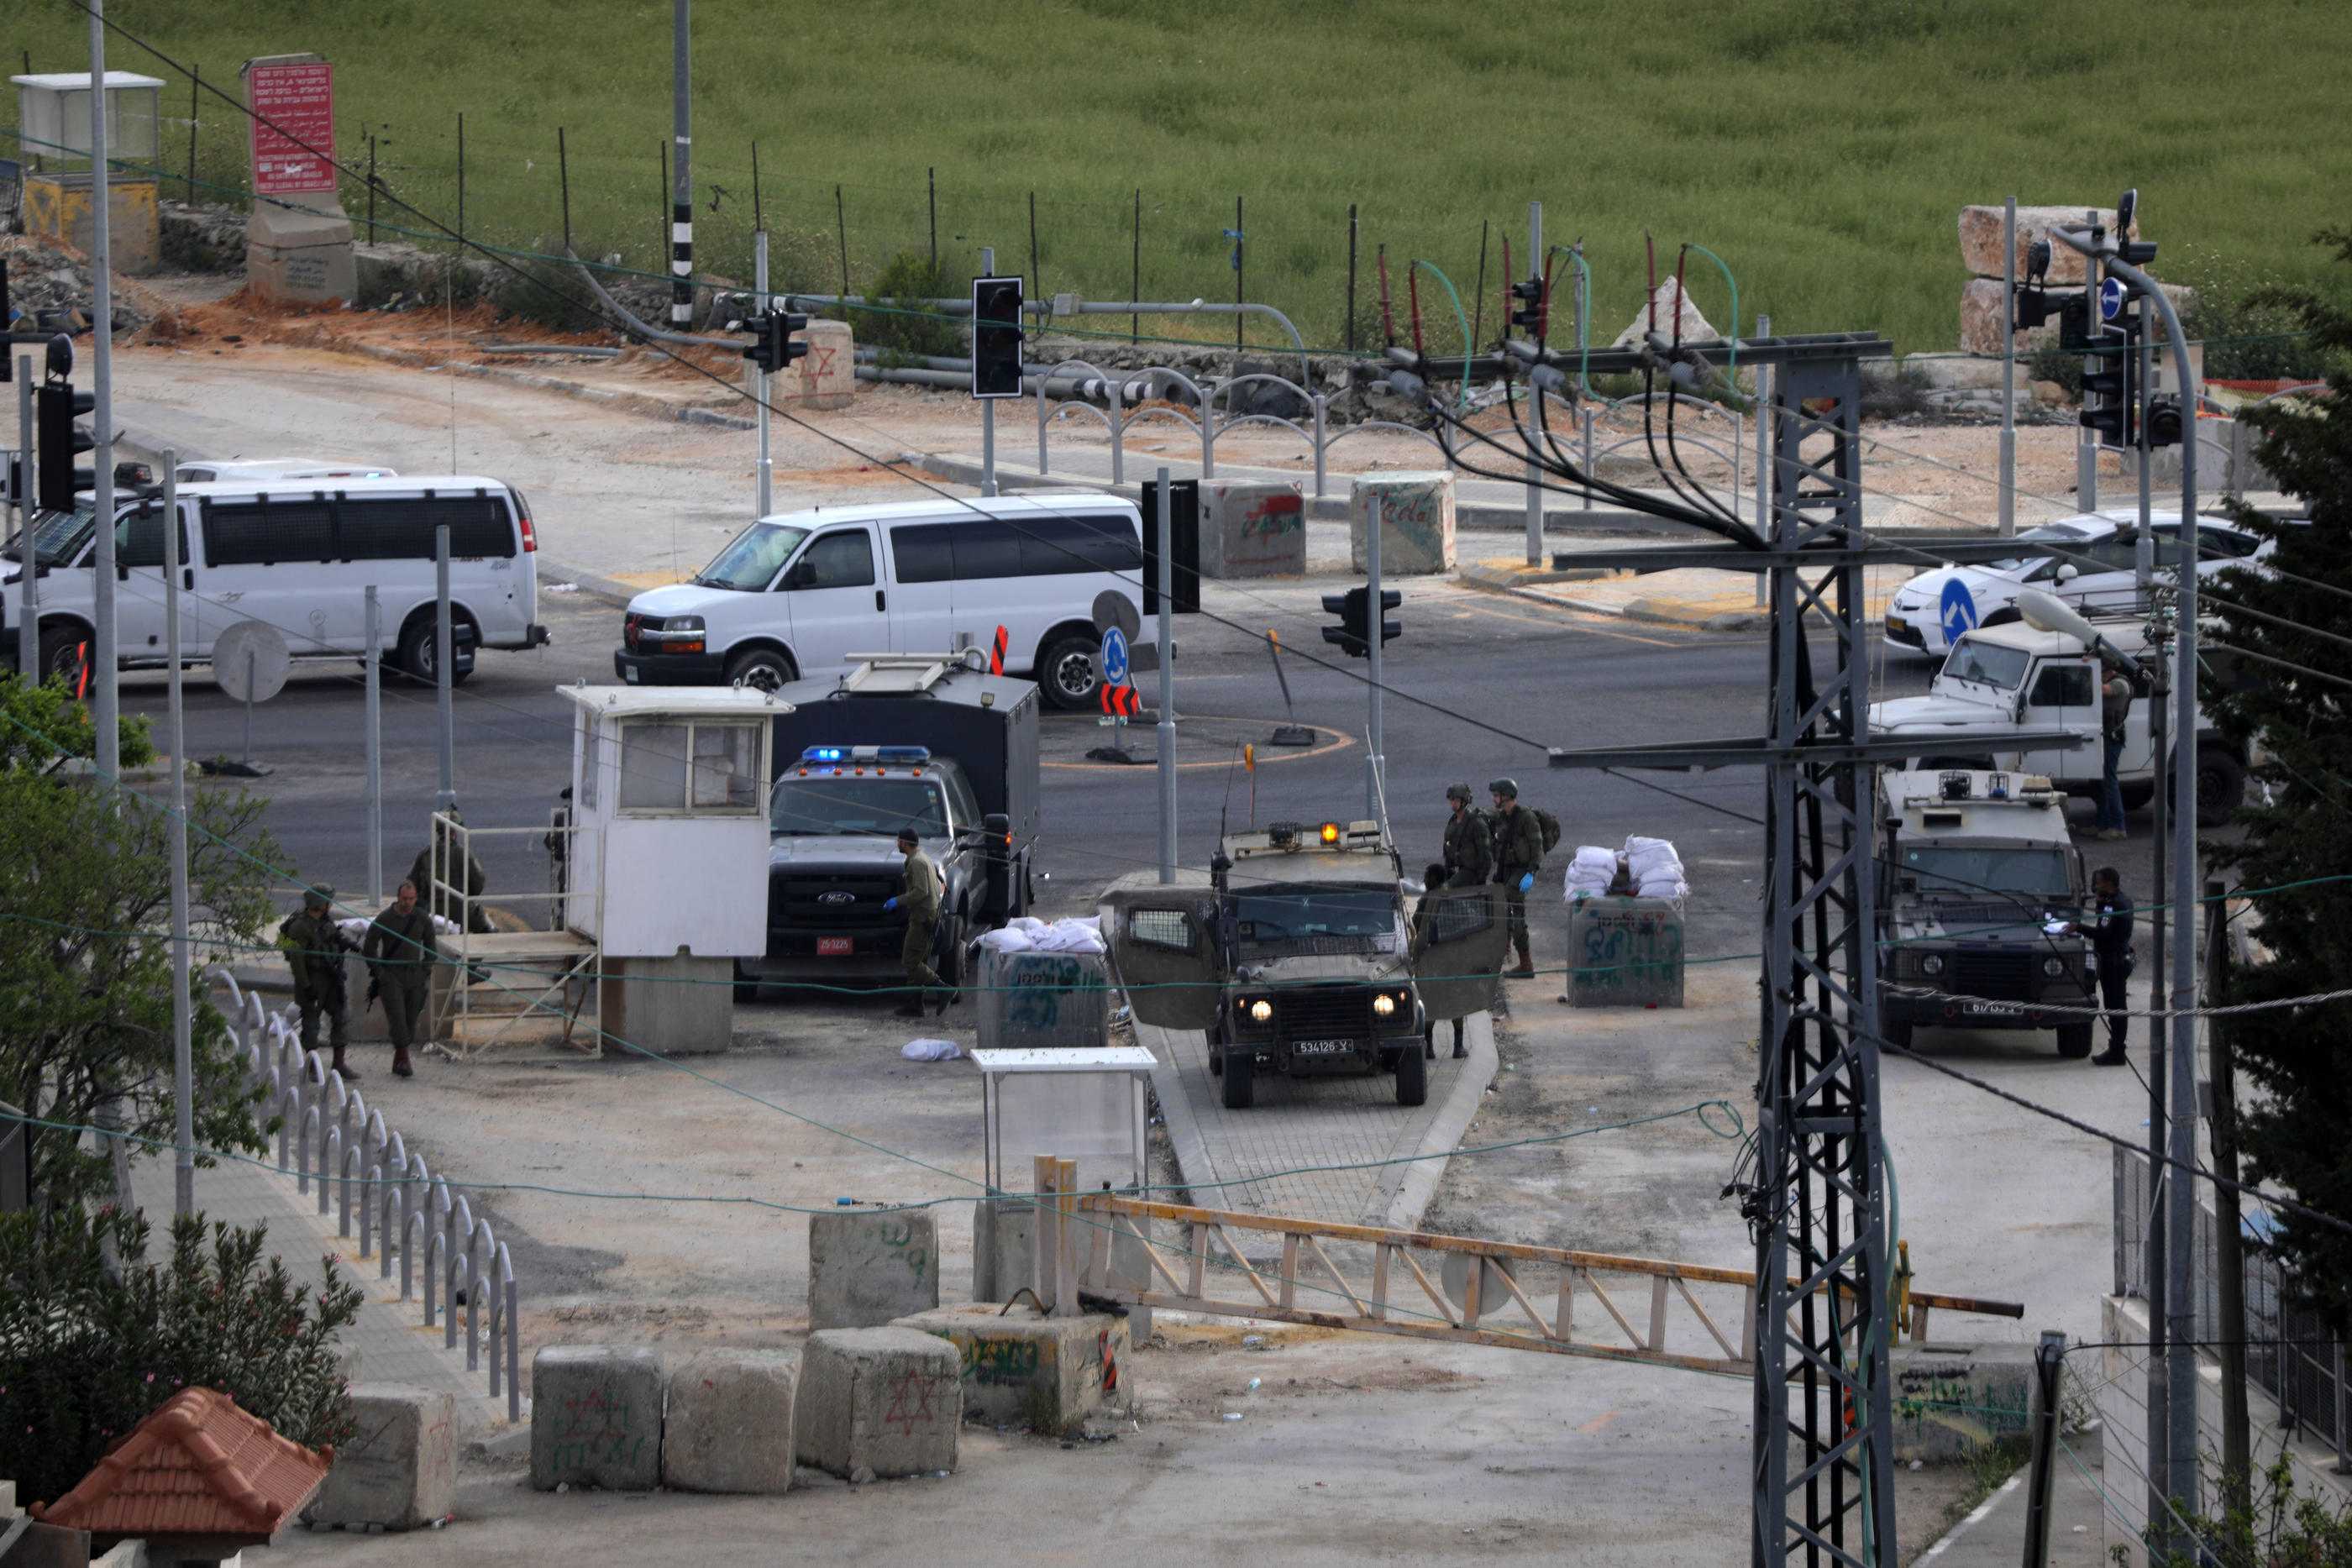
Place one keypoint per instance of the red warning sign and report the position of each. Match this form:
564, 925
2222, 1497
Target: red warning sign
293, 127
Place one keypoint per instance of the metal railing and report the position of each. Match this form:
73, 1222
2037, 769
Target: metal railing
328, 1139
551, 983
2290, 1353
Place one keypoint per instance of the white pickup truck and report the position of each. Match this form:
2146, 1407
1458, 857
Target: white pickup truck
2012, 677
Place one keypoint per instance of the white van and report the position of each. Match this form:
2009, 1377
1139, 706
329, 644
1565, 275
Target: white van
796, 595
254, 470
301, 558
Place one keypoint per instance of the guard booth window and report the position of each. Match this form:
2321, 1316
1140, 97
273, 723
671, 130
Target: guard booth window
705, 769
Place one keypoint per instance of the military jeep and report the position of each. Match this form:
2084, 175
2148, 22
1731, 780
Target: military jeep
1302, 955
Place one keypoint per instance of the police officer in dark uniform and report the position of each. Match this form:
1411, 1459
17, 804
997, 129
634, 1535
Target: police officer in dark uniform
314, 947
2111, 935
1469, 846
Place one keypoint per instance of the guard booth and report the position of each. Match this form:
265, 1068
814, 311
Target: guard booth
53, 113
667, 873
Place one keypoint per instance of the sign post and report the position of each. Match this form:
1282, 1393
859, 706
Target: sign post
298, 244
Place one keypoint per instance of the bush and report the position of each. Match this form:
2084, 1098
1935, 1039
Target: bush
910, 279
2247, 321
87, 1350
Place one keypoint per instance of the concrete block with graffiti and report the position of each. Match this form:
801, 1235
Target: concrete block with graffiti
1625, 953
595, 1417
727, 1426
880, 1402
1951, 1400
1031, 1000
1252, 528
868, 1268
1022, 1365
1416, 521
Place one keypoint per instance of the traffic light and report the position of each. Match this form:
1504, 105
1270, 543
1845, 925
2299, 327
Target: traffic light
2111, 390
1354, 610
996, 336
2033, 304
1533, 307
55, 406
771, 347
2164, 420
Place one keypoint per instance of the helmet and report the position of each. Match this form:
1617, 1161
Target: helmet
317, 896
1457, 791
1507, 788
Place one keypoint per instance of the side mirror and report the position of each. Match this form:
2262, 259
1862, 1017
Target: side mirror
795, 576
2068, 571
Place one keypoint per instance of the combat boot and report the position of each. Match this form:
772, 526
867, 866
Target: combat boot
399, 1066
1526, 965
342, 1069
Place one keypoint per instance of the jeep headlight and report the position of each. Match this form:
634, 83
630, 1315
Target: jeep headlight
1931, 963
1261, 1011
1383, 1004
2053, 966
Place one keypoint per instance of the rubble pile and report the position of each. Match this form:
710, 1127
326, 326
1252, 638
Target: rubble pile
49, 289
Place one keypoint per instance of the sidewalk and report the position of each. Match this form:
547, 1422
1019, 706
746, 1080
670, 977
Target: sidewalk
1992, 1534
388, 1342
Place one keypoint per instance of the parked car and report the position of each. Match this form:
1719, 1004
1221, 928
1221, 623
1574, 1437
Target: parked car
301, 558
805, 594
2085, 561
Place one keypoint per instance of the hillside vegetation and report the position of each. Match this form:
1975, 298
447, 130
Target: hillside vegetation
1821, 148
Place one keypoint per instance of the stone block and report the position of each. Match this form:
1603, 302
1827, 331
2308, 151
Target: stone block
595, 1417
826, 376
727, 1423
1252, 528
1625, 953
681, 1006
1980, 315
399, 1468
1022, 1365
1950, 1400
1416, 521
1981, 240
865, 1270
878, 1402
302, 255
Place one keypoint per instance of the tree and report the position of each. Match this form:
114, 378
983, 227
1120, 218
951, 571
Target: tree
2298, 839
93, 1337
85, 955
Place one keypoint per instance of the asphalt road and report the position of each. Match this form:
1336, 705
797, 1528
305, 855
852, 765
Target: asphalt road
1484, 682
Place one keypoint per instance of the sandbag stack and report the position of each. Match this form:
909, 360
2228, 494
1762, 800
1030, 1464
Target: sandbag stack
1644, 868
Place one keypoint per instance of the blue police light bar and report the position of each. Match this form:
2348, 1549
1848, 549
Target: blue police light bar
902, 754
826, 754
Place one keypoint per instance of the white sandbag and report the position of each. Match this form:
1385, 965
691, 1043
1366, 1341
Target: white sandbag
1596, 858
1007, 940
1665, 888
930, 1050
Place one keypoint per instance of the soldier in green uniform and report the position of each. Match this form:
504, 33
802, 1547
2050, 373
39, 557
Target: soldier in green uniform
921, 901
400, 950
314, 948
1469, 845
1519, 855
459, 870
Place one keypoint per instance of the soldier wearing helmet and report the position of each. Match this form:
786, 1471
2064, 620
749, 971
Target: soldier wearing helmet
1469, 845
1519, 855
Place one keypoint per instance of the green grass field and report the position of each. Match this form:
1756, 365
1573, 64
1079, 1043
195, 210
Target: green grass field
1821, 148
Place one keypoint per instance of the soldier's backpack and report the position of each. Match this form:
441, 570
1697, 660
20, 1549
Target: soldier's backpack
1550, 826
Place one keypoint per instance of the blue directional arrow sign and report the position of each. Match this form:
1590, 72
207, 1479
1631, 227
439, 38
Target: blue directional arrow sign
2111, 298
1114, 656
1959, 610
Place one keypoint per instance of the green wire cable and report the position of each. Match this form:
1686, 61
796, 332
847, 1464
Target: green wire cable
1461, 397
1732, 368
1583, 316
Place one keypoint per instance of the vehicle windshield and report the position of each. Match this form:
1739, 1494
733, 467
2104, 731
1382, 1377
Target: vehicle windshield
57, 537
1987, 663
2063, 533
1947, 868
751, 561
1265, 914
830, 804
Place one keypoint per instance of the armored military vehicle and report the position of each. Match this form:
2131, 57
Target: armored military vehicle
1306, 954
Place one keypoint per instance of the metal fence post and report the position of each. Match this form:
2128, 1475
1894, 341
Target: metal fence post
1040, 419
1117, 431
1322, 411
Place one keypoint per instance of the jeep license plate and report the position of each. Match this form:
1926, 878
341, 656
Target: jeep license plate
1995, 1009
1322, 1047
833, 947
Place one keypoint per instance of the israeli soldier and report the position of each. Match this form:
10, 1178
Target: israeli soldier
1469, 844
400, 951
314, 947
458, 869
1519, 855
921, 901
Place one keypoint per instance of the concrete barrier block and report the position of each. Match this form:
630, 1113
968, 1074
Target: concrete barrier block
1952, 1399
1625, 953
1252, 528
1981, 240
399, 1467
1416, 518
595, 1417
1005, 1248
878, 1402
1022, 1365
826, 376
727, 1422
867, 1269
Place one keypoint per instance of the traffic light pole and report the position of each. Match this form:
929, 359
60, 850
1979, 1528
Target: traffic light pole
987, 406
1536, 423
1375, 794
29, 612
1166, 737
767, 468
106, 705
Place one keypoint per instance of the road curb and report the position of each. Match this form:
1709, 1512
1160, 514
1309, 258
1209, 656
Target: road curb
1653, 611
1191, 1150
1418, 1183
597, 586
633, 403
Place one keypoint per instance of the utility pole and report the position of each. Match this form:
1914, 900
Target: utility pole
106, 708
681, 195
28, 611
1534, 403
443, 670
1374, 624
765, 500
375, 746
1167, 732
2008, 370
2229, 1257
183, 1086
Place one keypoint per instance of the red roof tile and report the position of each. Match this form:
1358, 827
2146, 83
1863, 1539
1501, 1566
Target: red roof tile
197, 1465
